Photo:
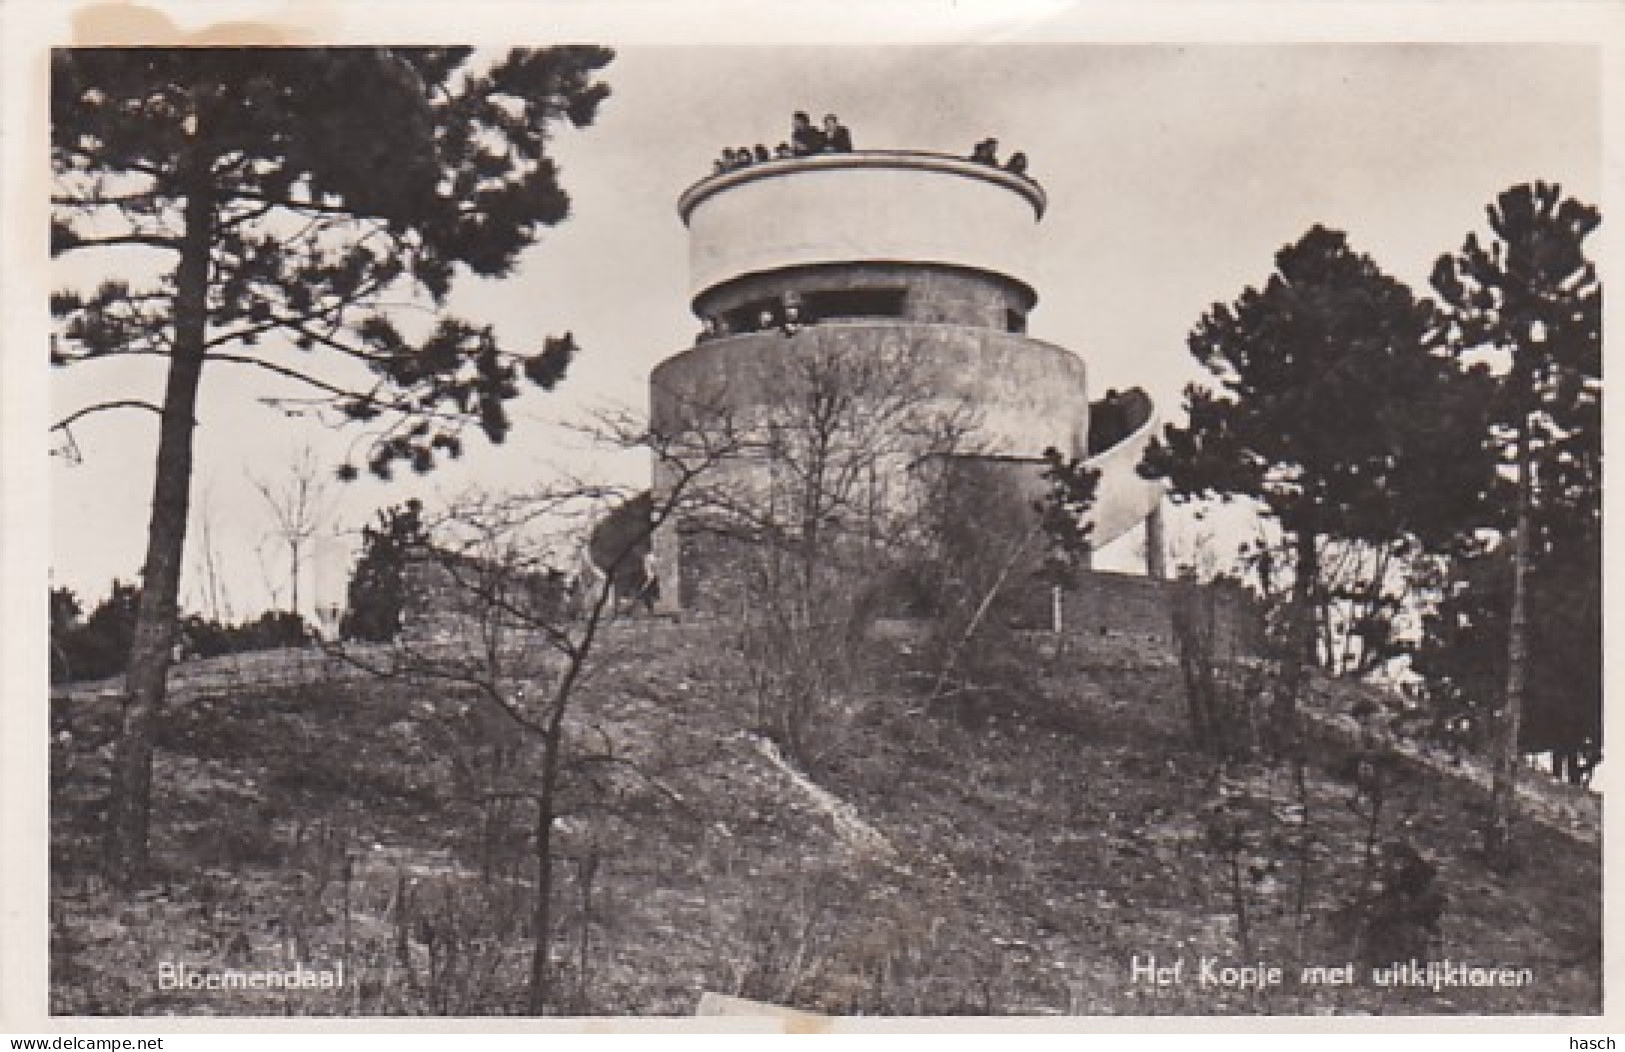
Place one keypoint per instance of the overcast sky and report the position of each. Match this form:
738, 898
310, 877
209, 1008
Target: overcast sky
1173, 173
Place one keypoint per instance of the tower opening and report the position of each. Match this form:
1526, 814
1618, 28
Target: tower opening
837, 304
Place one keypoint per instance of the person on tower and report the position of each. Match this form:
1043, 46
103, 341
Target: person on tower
790, 313
836, 137
804, 138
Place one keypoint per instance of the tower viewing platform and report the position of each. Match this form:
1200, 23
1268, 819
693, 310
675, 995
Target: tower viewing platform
871, 206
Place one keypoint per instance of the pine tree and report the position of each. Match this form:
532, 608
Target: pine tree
1462, 655
377, 592
1532, 299
1333, 410
280, 194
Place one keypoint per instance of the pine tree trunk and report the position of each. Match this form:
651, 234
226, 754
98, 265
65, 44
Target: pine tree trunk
1503, 788
129, 803
1305, 624
1299, 654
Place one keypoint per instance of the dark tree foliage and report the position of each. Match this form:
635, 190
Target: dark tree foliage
98, 646
281, 196
65, 608
1531, 303
1462, 656
1402, 918
273, 630
65, 611
1332, 408
321, 179
620, 541
377, 592
1534, 297
1061, 515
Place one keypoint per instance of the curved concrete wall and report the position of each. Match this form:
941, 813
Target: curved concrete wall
1123, 499
873, 206
1027, 394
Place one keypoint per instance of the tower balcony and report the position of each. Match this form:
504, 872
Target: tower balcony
865, 207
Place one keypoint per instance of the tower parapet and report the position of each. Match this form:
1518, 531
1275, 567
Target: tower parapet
889, 221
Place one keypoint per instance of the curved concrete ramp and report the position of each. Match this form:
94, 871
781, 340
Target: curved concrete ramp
1123, 499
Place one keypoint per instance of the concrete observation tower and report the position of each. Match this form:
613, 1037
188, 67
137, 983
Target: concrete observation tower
877, 250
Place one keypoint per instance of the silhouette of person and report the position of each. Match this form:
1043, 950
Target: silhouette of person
1017, 163
836, 137
760, 153
986, 152
804, 138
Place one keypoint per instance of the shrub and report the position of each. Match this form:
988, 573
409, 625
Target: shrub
377, 592
99, 646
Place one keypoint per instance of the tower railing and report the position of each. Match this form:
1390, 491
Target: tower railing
924, 160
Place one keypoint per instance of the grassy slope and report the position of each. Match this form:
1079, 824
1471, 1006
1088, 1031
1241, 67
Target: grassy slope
1037, 850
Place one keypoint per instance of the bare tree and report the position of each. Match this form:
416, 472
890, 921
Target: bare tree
299, 507
816, 517
990, 537
850, 441
511, 642
215, 599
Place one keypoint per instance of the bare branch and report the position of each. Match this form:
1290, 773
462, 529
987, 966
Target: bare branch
172, 244
121, 403
231, 222
369, 398
273, 201
90, 201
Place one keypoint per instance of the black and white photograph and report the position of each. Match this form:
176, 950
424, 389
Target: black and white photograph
997, 525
